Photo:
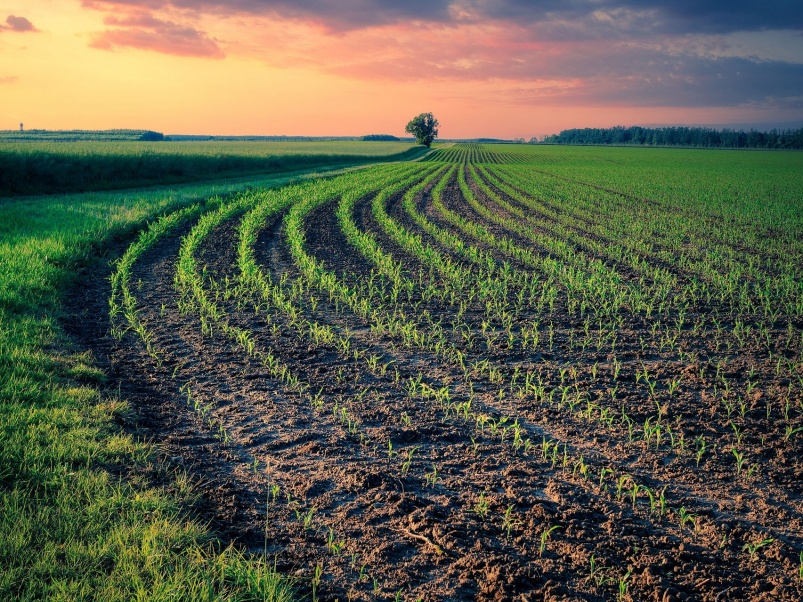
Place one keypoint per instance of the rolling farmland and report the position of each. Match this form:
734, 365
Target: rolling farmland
499, 372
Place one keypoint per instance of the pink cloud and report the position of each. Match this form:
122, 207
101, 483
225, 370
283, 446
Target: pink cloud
18, 24
143, 31
470, 52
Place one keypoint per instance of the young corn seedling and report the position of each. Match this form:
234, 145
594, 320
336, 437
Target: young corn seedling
700, 442
510, 522
617, 368
754, 547
624, 585
634, 489
661, 410
729, 407
620, 486
662, 502
598, 573
546, 534
790, 432
222, 435
481, 507
405, 419
316, 581
630, 425
740, 460
686, 517
554, 456
316, 401
432, 478
652, 498
306, 518
737, 433
334, 547
604, 473
580, 467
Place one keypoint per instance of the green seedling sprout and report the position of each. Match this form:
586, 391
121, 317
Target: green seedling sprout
686, 517
316, 581
754, 547
546, 534
624, 585
481, 507
510, 522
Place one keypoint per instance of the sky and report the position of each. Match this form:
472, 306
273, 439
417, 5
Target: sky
484, 68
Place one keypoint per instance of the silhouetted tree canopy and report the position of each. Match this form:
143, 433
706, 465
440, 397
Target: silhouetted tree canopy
152, 137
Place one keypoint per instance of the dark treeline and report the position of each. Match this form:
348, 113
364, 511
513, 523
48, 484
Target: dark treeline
681, 136
379, 138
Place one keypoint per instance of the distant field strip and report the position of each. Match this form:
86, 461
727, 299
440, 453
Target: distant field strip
492, 373
28, 168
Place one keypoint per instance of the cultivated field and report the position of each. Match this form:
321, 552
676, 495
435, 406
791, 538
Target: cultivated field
42, 167
496, 373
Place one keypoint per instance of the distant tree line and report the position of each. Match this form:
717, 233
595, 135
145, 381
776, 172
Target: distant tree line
680, 136
118, 135
150, 136
380, 138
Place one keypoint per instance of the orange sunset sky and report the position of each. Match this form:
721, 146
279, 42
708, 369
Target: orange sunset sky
507, 68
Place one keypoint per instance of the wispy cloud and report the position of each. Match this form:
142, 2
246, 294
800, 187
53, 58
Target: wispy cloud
143, 31
645, 16
511, 62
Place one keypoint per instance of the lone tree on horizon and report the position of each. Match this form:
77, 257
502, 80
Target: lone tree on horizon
424, 127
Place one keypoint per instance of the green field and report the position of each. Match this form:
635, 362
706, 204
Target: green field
28, 168
496, 371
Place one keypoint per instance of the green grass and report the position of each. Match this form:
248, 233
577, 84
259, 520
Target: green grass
78, 520
57, 167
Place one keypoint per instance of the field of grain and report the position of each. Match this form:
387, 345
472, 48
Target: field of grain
45, 167
497, 373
